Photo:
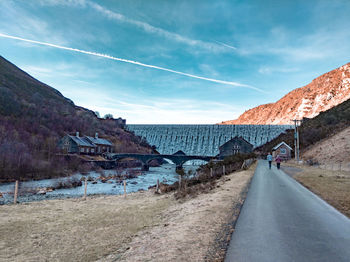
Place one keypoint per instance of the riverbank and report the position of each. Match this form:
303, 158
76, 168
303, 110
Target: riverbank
332, 186
141, 227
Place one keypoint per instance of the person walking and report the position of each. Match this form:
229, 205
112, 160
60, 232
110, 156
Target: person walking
278, 161
269, 158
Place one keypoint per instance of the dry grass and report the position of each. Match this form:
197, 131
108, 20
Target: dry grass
75, 230
332, 186
333, 152
142, 227
190, 227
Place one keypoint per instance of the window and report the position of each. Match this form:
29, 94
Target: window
283, 151
82, 149
92, 150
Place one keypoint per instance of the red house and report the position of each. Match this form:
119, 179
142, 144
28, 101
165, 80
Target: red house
283, 150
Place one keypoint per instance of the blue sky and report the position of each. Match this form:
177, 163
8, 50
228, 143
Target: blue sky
248, 52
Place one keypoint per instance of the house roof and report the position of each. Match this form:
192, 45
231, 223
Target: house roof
82, 141
280, 144
99, 141
236, 138
179, 153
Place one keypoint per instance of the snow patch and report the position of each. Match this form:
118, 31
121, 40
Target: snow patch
329, 96
345, 67
303, 108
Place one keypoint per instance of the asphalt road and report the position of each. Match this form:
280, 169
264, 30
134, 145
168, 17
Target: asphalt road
283, 221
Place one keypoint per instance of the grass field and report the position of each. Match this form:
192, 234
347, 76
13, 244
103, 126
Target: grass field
332, 186
141, 227
73, 229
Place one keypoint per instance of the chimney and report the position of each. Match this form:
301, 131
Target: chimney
96, 135
77, 134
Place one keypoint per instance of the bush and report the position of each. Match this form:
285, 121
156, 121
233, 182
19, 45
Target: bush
68, 183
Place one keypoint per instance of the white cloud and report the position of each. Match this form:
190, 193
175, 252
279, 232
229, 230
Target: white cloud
63, 2
163, 111
271, 70
146, 27
293, 47
16, 20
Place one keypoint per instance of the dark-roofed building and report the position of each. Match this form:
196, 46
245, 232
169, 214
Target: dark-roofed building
179, 153
102, 145
85, 145
237, 145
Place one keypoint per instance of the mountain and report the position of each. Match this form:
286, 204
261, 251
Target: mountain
34, 116
321, 94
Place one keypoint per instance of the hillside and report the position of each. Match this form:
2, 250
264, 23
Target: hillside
321, 94
321, 127
34, 116
334, 150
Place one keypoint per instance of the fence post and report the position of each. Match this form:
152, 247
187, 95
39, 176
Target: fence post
16, 193
180, 181
157, 188
211, 172
223, 170
124, 188
243, 165
85, 188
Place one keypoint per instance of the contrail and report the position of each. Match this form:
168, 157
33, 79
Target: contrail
131, 62
229, 46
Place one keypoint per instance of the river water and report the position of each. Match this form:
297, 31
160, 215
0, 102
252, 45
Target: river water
28, 189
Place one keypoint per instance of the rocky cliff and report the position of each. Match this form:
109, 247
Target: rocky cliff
321, 94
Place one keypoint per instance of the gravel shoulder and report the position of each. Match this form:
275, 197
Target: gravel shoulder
141, 227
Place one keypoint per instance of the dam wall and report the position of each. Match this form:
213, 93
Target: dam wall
203, 140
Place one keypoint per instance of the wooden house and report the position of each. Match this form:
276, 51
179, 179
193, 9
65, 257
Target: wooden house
237, 145
283, 150
84, 145
102, 145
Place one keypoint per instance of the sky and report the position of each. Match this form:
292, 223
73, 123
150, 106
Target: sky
172, 61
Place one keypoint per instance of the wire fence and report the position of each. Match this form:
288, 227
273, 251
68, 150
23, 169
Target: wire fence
340, 166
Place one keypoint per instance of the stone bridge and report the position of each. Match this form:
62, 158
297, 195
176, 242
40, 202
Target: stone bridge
178, 160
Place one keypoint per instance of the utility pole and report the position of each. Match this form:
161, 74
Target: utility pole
297, 123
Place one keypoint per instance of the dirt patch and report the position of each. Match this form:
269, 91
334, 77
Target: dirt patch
190, 228
332, 186
142, 227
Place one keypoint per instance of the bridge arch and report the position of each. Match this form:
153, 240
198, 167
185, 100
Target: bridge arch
119, 159
159, 158
144, 166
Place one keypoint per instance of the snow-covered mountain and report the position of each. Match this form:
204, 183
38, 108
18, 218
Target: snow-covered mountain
321, 94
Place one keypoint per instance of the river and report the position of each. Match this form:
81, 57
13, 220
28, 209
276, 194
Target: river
28, 189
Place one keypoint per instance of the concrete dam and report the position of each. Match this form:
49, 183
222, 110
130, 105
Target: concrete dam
203, 140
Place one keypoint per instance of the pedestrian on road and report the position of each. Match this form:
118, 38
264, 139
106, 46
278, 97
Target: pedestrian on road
278, 161
269, 158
